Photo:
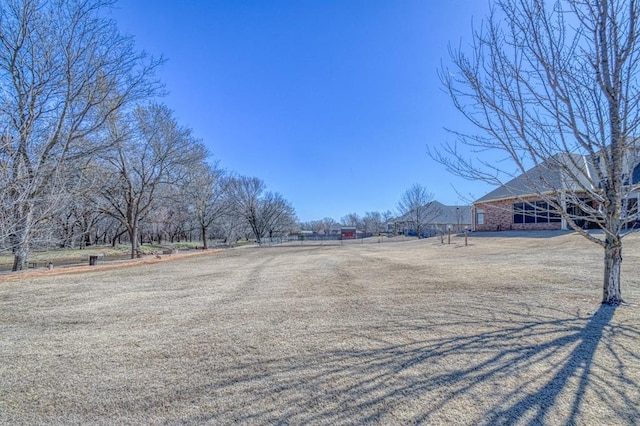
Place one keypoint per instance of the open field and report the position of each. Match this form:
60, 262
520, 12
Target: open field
504, 331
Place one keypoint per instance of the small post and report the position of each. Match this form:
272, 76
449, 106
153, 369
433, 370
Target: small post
466, 233
449, 236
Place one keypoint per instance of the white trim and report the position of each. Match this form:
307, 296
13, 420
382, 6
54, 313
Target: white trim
586, 167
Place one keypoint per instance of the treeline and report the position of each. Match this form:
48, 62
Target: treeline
372, 222
87, 156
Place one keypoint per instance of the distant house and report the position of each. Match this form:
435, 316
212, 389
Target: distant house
335, 229
518, 205
435, 218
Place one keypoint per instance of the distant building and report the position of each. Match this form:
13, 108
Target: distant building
435, 218
348, 232
335, 229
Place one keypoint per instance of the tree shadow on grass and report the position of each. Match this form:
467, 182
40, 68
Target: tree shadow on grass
519, 369
577, 365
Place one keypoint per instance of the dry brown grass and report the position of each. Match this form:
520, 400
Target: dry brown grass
504, 331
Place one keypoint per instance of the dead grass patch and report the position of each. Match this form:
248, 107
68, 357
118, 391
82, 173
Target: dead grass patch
506, 330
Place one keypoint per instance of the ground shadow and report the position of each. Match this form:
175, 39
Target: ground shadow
577, 365
547, 365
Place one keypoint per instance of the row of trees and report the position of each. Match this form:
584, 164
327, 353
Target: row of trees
87, 157
152, 182
372, 222
159, 198
413, 202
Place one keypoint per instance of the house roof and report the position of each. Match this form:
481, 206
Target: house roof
562, 172
438, 213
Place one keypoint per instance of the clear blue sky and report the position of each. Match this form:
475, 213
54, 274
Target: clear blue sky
331, 102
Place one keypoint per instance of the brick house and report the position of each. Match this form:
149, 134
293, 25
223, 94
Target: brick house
517, 205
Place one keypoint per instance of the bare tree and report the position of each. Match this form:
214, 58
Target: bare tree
169, 217
414, 205
7, 205
372, 222
230, 227
387, 215
554, 86
313, 225
204, 189
352, 219
75, 223
244, 194
319, 227
277, 215
267, 214
327, 224
156, 151
64, 70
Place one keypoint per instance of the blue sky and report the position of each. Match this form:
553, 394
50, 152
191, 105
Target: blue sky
331, 103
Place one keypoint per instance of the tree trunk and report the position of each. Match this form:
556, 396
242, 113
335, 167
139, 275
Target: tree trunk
20, 257
20, 240
611, 293
204, 238
133, 238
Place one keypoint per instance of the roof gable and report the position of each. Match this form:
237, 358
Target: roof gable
562, 172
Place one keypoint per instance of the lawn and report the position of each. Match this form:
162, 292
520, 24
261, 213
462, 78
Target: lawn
503, 331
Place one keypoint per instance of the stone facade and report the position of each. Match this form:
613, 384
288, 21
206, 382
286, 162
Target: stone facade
498, 216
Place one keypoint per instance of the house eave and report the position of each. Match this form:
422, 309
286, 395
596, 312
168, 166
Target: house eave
519, 197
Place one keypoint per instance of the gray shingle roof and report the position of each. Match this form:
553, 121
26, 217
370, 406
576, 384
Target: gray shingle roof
438, 213
566, 172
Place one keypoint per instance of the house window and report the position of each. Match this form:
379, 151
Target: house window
635, 178
480, 217
534, 212
576, 211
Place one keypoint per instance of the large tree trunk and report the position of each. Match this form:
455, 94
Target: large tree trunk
133, 238
611, 293
20, 257
20, 247
20, 239
204, 238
